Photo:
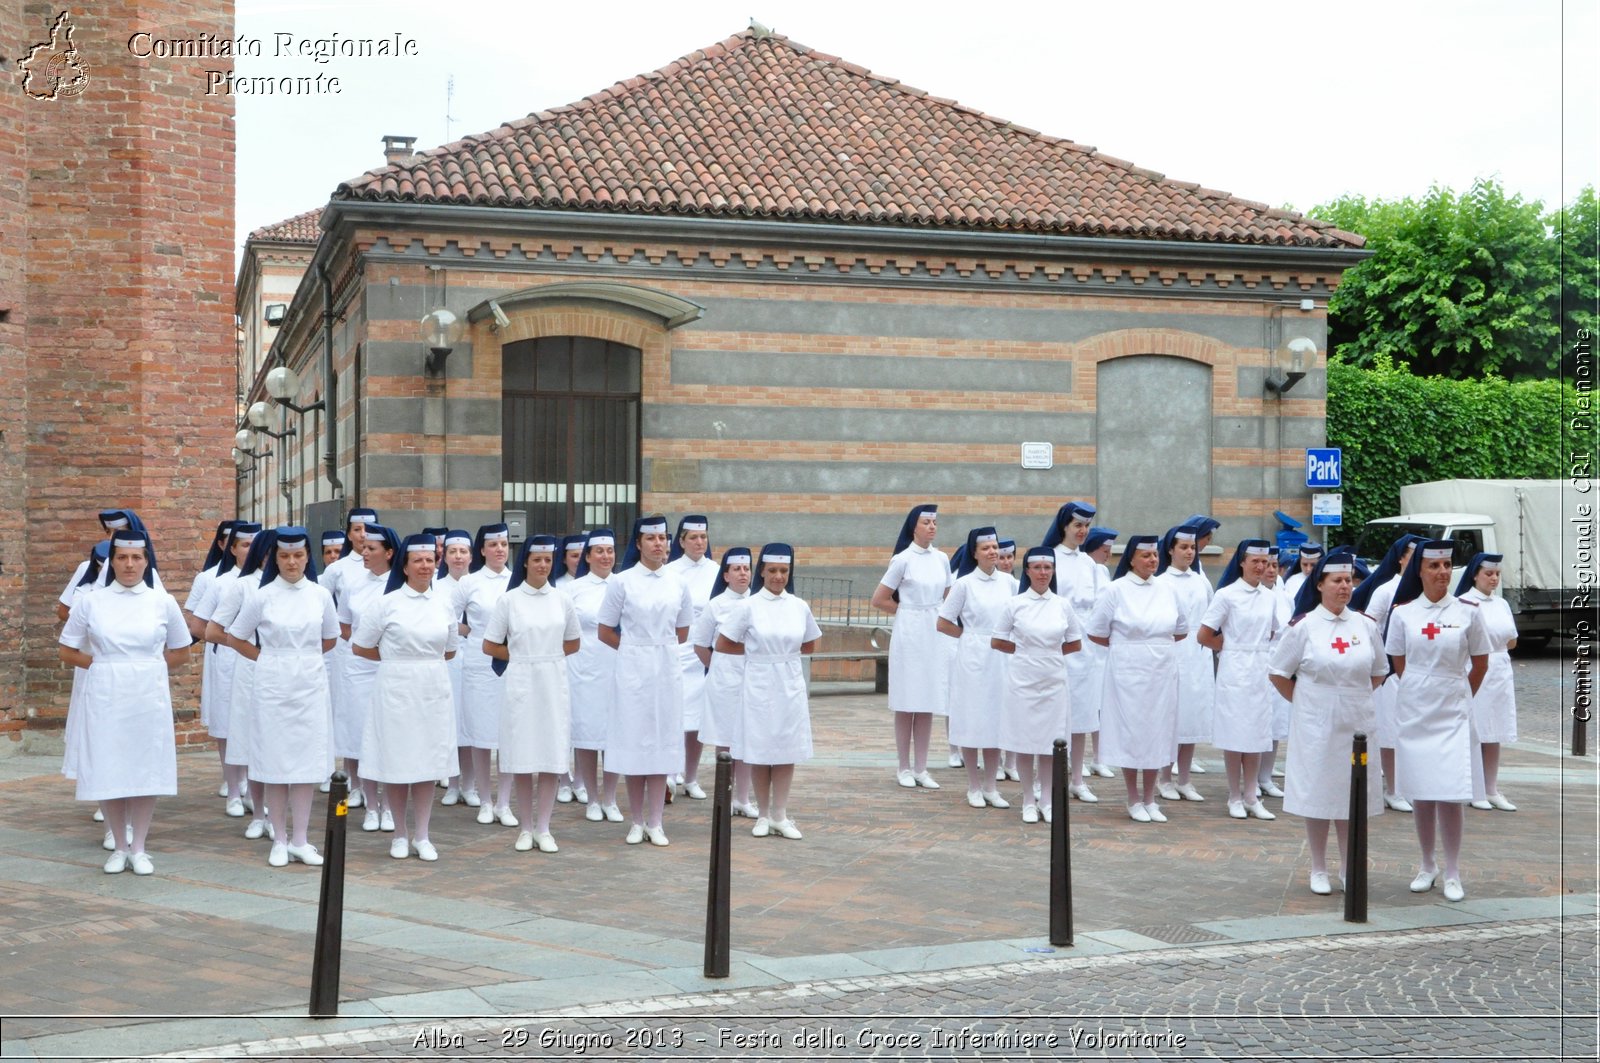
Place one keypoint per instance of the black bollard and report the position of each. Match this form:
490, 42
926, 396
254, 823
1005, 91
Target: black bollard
1355, 869
330, 906
1060, 851
718, 885
1580, 718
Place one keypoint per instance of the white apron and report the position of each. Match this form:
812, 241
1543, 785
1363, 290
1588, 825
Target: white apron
1245, 700
1197, 682
719, 726
536, 710
644, 735
408, 737
1036, 708
919, 667
1494, 707
591, 671
1139, 699
1082, 581
1436, 746
481, 692
775, 725
291, 740
978, 677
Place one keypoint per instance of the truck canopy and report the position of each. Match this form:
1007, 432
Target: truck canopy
1528, 518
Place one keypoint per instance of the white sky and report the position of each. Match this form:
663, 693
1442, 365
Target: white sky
1285, 102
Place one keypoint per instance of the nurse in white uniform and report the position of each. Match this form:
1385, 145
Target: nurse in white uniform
286, 627
1440, 650
1310, 555
111, 521
1140, 621
1327, 664
408, 743
361, 592
977, 682
1494, 706
591, 677
1008, 565
645, 616
1240, 624
1039, 632
197, 628
216, 693
457, 560
127, 636
911, 591
473, 598
241, 704
1082, 582
532, 631
94, 576
1196, 664
725, 672
349, 561
773, 629
690, 561
1375, 596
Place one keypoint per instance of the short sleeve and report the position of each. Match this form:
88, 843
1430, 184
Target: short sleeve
452, 630
76, 632
330, 618
1074, 627
370, 631
813, 632
460, 593
232, 601
1099, 623
1216, 613
499, 620
197, 589
949, 573
1478, 641
342, 611
737, 625
896, 574
685, 608
1287, 651
1182, 627
72, 584
610, 612
573, 630
178, 637
208, 603
244, 625
954, 602
703, 632
1395, 643
1380, 659
1006, 621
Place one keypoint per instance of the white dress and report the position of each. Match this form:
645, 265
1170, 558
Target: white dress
216, 678
446, 585
1281, 708
241, 700
72, 733
1333, 659
357, 597
1377, 610
1247, 619
338, 659
725, 678
475, 596
1494, 707
591, 672
197, 594
1036, 708
644, 735
699, 578
775, 725
536, 707
977, 682
1197, 682
1139, 700
918, 665
291, 725
128, 746
408, 737
1083, 582
1436, 747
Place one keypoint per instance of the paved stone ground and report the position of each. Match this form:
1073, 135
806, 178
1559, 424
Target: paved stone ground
900, 904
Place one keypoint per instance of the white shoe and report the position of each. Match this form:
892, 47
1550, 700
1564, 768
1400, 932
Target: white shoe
1499, 801
975, 798
925, 780
426, 851
1083, 793
993, 799
1483, 806
1277, 773
1260, 811
140, 864
656, 835
1189, 793
327, 784
507, 819
1452, 886
593, 813
1030, 813
1270, 788
546, 842
355, 799
1424, 881
1168, 792
748, 810
762, 828
472, 799
249, 802
99, 816
1196, 769
580, 794
694, 791
1137, 813
956, 761
485, 813
371, 820
1046, 813
452, 796
1236, 810
386, 820
116, 863
256, 829
635, 834
1013, 774
235, 809
1153, 810
279, 856
306, 854
906, 779
109, 842
1397, 804
222, 789
563, 794
612, 813
1320, 884
787, 828
1104, 771
399, 849
524, 842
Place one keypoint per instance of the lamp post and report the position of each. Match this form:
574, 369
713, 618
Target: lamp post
441, 330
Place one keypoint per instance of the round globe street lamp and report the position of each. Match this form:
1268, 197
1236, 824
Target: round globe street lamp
283, 384
441, 330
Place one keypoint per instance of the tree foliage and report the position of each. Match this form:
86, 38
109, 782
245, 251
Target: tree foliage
1397, 428
1577, 228
1462, 286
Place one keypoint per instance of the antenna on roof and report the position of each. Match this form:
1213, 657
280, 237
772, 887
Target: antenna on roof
757, 30
449, 97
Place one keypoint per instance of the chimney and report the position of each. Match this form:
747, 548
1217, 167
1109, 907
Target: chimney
397, 149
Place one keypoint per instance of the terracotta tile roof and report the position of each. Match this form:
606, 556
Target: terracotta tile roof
300, 229
763, 127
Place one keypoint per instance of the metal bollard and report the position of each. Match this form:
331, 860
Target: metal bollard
1355, 870
1060, 851
721, 878
1580, 718
330, 905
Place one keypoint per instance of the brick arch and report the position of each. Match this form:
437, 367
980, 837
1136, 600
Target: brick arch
616, 325
1175, 343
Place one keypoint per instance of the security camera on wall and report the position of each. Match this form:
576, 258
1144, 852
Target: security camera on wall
500, 319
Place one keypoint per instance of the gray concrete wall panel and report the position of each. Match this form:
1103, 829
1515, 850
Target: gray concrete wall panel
660, 421
807, 369
882, 477
455, 472
1252, 383
423, 416
405, 358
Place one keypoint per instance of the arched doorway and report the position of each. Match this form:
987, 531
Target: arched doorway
1152, 442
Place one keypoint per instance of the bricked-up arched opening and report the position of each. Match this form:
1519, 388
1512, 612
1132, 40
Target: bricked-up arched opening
1152, 442
570, 423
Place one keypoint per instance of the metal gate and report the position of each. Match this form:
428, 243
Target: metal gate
570, 448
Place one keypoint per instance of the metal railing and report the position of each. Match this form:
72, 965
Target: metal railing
833, 600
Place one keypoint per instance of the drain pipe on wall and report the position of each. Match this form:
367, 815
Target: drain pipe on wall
330, 386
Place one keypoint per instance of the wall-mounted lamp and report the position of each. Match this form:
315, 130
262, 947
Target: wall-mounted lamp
1289, 364
440, 331
283, 384
274, 313
243, 456
258, 415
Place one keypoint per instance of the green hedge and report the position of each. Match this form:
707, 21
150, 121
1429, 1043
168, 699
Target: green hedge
1399, 429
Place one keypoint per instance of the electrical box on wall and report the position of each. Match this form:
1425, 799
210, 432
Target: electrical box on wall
517, 521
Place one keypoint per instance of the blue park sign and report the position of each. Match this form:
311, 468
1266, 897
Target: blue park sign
1324, 467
